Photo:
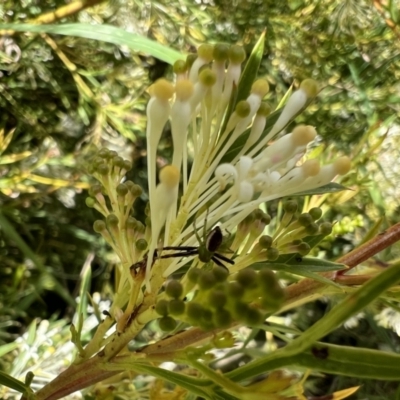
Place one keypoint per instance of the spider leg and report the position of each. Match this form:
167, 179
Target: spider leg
223, 258
196, 233
178, 248
215, 259
180, 254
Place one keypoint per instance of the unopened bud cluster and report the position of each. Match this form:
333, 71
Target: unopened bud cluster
219, 301
114, 199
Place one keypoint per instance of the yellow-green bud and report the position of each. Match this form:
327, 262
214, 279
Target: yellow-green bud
167, 324
237, 54
99, 226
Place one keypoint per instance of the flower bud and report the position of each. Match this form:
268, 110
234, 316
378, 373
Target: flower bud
174, 289
167, 324
162, 307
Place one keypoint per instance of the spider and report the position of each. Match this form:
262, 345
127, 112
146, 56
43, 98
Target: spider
207, 249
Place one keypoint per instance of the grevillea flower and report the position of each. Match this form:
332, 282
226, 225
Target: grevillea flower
225, 161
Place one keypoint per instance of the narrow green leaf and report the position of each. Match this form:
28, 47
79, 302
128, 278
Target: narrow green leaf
250, 70
9, 381
332, 187
351, 361
6, 348
312, 264
86, 276
104, 33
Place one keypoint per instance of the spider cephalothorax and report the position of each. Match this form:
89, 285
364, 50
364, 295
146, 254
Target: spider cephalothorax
207, 249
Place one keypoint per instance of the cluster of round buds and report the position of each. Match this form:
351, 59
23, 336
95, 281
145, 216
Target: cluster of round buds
219, 301
114, 199
294, 234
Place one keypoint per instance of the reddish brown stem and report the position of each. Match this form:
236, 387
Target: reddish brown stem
362, 253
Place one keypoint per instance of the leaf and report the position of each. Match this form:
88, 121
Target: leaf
250, 70
342, 394
290, 262
104, 33
332, 187
350, 361
9, 381
248, 76
12, 158
6, 348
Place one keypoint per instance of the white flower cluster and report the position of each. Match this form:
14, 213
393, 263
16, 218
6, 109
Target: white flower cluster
260, 170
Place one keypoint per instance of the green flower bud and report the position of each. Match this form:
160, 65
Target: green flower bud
103, 153
325, 228
290, 206
310, 87
305, 219
90, 202
174, 289
266, 280
112, 220
103, 169
126, 165
179, 67
235, 290
247, 277
193, 274
167, 324
237, 54
122, 190
176, 307
217, 298
272, 254
264, 109
136, 190
221, 274
265, 241
206, 280
205, 51
258, 214
312, 229
117, 161
221, 52
207, 77
316, 213
242, 109
253, 316
99, 226
141, 244
194, 310
303, 249
222, 318
162, 307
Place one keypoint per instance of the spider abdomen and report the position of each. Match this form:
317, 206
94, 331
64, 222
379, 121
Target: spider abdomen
214, 240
